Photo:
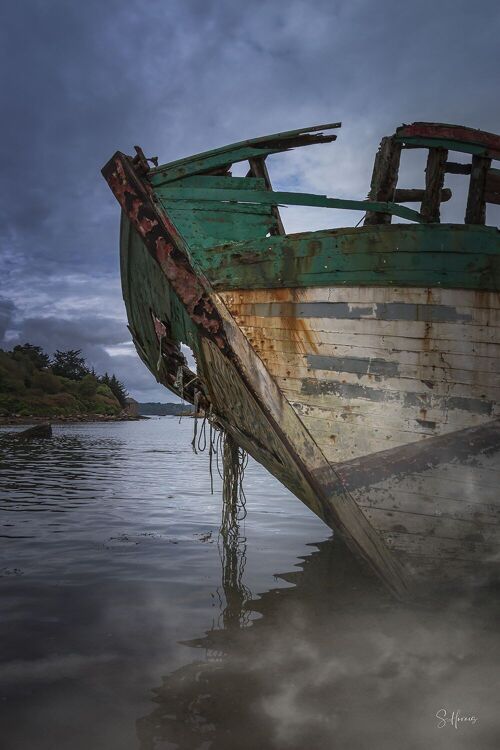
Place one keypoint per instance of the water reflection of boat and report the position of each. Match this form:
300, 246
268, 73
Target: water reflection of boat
358, 365
333, 661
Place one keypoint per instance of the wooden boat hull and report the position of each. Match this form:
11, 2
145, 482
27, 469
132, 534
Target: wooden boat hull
439, 507
374, 403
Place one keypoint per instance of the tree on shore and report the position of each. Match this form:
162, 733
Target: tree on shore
35, 354
69, 364
116, 387
28, 376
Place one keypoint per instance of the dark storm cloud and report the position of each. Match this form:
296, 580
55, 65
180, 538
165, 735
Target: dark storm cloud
64, 333
80, 80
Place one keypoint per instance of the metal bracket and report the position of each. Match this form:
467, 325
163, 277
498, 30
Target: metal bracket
141, 161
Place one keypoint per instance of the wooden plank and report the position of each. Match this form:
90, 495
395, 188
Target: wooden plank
465, 298
216, 227
474, 450
439, 548
344, 444
449, 145
329, 379
393, 311
360, 363
449, 500
327, 315
476, 204
312, 258
330, 357
356, 414
258, 168
434, 178
341, 330
409, 410
241, 151
177, 192
431, 255
428, 350
400, 238
384, 179
438, 527
200, 207
300, 341
444, 412
445, 488
286, 328
452, 167
314, 390
235, 270
412, 351
223, 182
492, 186
416, 195
459, 133
320, 387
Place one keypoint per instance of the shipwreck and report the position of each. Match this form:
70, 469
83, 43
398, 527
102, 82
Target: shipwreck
359, 365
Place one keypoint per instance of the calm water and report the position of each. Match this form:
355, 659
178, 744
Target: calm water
126, 623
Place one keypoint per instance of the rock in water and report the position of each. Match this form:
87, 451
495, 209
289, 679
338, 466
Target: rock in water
39, 431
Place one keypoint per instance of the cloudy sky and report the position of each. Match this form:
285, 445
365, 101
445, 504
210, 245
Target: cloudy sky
81, 80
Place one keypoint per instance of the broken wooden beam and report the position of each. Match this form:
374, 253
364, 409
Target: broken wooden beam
492, 186
454, 167
476, 204
416, 195
434, 178
384, 178
258, 168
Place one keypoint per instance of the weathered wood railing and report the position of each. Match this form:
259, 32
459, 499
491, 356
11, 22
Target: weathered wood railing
484, 185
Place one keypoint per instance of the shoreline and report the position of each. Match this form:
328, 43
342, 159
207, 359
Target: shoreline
14, 419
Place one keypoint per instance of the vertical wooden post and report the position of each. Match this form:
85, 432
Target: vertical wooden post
384, 178
476, 205
434, 179
258, 168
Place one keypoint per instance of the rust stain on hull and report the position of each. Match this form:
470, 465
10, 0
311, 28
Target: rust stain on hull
162, 241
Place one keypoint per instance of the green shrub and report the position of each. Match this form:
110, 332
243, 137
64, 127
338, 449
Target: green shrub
104, 390
27, 388
46, 382
87, 386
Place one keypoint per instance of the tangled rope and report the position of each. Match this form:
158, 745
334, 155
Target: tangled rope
234, 462
230, 462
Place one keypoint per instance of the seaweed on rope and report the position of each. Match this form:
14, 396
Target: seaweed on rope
230, 461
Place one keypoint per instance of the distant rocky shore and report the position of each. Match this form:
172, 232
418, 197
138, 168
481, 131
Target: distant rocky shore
169, 409
14, 419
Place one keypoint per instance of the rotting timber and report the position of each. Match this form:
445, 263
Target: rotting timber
358, 365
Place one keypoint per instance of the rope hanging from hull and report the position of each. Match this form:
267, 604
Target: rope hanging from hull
232, 544
231, 461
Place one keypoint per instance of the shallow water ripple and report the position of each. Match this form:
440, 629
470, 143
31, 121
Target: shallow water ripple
127, 623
